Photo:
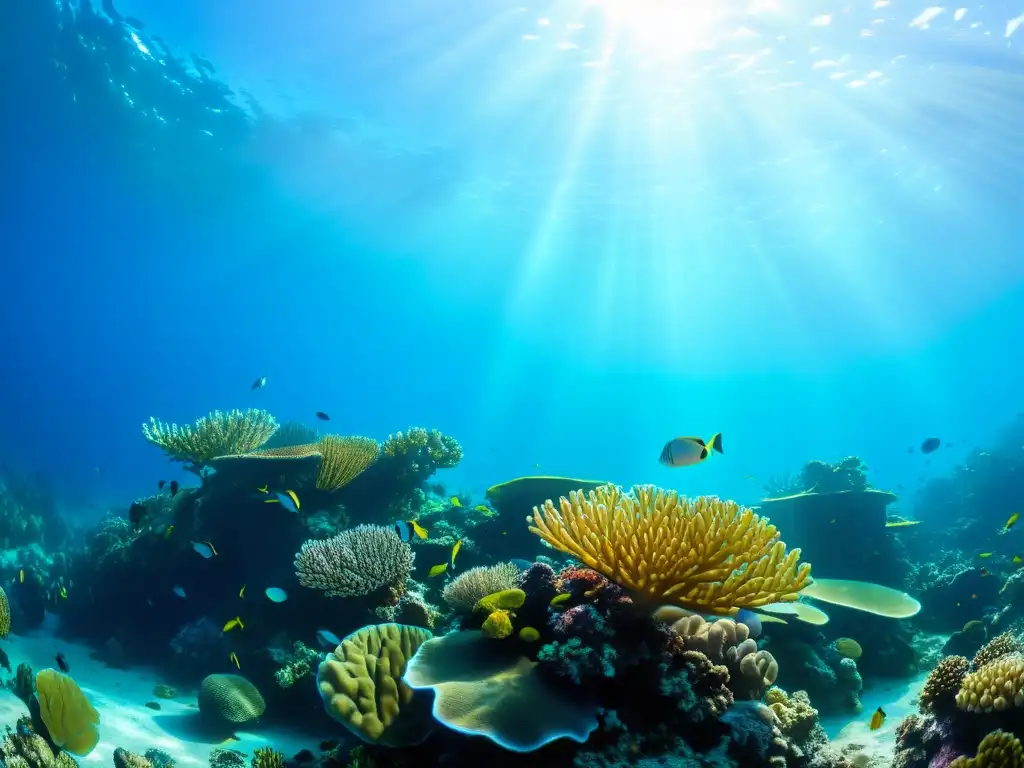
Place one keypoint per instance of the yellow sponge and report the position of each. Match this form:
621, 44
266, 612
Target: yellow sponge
69, 717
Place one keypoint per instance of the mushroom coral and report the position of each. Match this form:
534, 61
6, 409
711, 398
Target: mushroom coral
497, 695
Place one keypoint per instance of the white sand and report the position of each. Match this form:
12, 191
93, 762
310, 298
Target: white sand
120, 696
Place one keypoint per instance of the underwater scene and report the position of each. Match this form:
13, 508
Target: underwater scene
590, 383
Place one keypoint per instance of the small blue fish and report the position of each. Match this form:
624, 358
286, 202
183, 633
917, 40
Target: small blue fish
179, 591
287, 499
327, 639
204, 548
751, 619
276, 594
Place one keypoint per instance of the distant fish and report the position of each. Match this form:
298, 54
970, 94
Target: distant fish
455, 551
327, 746
559, 599
160, 484
1018, 560
437, 570
204, 548
287, 499
455, 501
21, 576
275, 594
406, 529
233, 658
63, 593
984, 572
687, 451
232, 623
877, 719
260, 383
930, 445
180, 592
152, 705
327, 639
1011, 522
169, 531
174, 488
902, 523
136, 514
322, 416
63, 663
241, 592
986, 555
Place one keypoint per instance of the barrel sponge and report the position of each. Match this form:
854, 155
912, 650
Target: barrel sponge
5, 614
997, 686
998, 749
231, 698
68, 716
362, 687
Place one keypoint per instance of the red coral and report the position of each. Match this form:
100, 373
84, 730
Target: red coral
587, 586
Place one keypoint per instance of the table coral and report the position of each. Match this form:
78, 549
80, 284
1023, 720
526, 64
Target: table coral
218, 434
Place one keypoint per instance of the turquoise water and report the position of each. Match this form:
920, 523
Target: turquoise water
559, 234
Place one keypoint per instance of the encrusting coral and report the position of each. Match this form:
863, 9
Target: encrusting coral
796, 715
362, 685
943, 683
998, 749
356, 562
218, 434
701, 553
464, 591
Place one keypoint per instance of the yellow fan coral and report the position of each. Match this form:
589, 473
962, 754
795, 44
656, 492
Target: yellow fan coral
218, 434
69, 717
344, 460
703, 553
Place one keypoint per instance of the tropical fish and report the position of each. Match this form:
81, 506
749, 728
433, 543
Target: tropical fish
260, 383
877, 719
152, 705
407, 528
204, 548
179, 591
287, 499
984, 572
169, 531
1011, 522
559, 599
275, 594
21, 576
327, 639
63, 593
455, 501
902, 523
241, 592
136, 514
687, 451
455, 551
928, 446
1017, 560
233, 658
751, 619
63, 663
160, 484
232, 623
483, 508
986, 555
437, 570
322, 416
174, 488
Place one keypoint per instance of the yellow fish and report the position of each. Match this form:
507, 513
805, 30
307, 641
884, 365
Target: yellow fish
877, 719
1017, 560
559, 599
233, 658
482, 508
235, 622
241, 592
169, 531
455, 551
264, 489
64, 593
437, 570
985, 555
687, 451
418, 529
1011, 522
455, 501
21, 575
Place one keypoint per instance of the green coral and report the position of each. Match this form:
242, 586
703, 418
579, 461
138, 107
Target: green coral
266, 757
218, 434
300, 663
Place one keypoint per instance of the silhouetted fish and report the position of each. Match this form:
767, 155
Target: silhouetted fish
931, 444
160, 485
174, 488
136, 513
153, 705
322, 416
63, 663
259, 383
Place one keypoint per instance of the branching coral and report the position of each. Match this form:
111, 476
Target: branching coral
356, 562
1001, 645
942, 685
703, 553
438, 449
465, 590
218, 434
998, 749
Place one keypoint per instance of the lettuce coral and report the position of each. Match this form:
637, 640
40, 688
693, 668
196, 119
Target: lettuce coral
703, 553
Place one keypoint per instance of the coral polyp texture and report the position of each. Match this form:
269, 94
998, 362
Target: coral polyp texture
464, 591
1001, 645
218, 434
433, 446
344, 459
943, 684
998, 749
356, 562
997, 686
703, 553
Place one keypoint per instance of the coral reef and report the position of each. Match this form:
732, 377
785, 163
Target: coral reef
218, 434
464, 591
356, 562
23, 748
943, 684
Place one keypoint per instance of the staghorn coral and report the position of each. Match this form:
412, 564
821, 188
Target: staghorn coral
23, 748
69, 717
230, 698
797, 718
996, 686
356, 562
344, 459
1001, 645
751, 671
998, 749
703, 553
218, 434
362, 685
463, 592
942, 685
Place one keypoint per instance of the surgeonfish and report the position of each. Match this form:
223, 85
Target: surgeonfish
286, 499
260, 383
233, 658
751, 619
455, 551
877, 719
275, 594
406, 529
232, 623
687, 451
1011, 522
437, 570
179, 591
327, 639
204, 548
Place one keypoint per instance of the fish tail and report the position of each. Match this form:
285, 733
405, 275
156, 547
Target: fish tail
239, 620
716, 442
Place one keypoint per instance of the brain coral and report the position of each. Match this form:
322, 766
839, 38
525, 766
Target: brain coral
703, 553
356, 562
1000, 645
943, 683
231, 698
997, 750
362, 687
996, 686
69, 717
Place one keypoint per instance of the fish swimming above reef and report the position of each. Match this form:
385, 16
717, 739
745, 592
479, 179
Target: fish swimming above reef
275, 594
62, 663
877, 719
287, 499
204, 548
327, 639
136, 514
260, 383
1012, 521
180, 592
687, 451
174, 488
407, 528
930, 445
322, 416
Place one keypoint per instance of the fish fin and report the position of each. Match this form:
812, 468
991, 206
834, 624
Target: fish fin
271, 501
703, 454
716, 442
210, 545
293, 498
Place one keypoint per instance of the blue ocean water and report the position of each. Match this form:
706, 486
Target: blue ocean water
563, 233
